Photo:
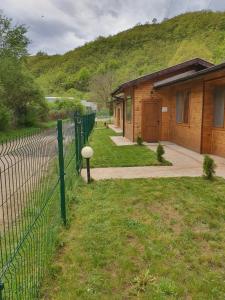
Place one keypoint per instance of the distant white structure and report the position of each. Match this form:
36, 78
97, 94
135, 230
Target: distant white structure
89, 105
53, 99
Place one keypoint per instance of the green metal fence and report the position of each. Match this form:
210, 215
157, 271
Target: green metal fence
36, 171
83, 127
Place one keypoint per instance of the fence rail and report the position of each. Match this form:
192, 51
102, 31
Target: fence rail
35, 172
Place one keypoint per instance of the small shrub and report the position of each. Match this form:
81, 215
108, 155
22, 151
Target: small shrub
209, 167
139, 141
160, 152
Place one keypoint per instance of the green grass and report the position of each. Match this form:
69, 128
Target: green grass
143, 239
107, 154
19, 132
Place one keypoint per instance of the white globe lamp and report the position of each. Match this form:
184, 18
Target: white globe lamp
87, 153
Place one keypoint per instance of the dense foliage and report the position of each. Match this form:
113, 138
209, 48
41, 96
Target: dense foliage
21, 101
63, 108
140, 50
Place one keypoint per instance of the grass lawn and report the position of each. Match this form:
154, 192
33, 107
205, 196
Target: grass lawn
15, 133
142, 239
107, 154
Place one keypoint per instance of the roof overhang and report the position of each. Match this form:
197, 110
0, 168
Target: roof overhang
160, 84
196, 63
118, 97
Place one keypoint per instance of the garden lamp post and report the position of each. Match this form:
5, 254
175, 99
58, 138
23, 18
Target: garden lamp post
87, 153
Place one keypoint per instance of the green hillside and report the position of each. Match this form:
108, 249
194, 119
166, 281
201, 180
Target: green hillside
137, 51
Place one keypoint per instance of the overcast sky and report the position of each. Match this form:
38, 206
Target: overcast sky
57, 26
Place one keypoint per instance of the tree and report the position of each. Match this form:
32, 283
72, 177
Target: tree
154, 21
101, 87
135, 52
82, 79
13, 40
18, 93
189, 49
64, 107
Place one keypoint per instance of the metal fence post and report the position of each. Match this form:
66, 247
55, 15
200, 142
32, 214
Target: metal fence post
76, 116
1, 289
61, 171
81, 132
86, 127
83, 129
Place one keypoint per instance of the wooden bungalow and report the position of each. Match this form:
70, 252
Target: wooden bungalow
184, 104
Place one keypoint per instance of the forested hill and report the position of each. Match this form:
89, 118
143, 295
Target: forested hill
137, 51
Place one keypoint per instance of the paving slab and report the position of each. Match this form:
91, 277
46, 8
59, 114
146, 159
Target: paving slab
115, 128
121, 141
185, 163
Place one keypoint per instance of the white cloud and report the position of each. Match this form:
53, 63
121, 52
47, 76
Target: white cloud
57, 26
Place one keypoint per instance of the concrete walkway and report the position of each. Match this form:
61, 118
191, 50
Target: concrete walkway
115, 128
121, 141
185, 163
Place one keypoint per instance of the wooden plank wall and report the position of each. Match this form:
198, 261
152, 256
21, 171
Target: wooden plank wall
213, 139
129, 127
141, 92
186, 135
199, 135
117, 106
144, 91
218, 142
166, 101
207, 120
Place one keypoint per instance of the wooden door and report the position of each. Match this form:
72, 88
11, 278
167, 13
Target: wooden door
150, 120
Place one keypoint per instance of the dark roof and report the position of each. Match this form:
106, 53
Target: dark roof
192, 76
197, 62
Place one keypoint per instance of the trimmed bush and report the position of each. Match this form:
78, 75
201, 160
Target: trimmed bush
160, 152
209, 167
139, 141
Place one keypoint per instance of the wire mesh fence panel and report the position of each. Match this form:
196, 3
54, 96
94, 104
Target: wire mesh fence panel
31, 202
28, 222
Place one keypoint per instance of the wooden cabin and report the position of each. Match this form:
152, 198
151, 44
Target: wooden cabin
184, 104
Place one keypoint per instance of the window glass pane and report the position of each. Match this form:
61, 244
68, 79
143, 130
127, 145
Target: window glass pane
182, 107
179, 108
128, 109
218, 120
186, 107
